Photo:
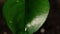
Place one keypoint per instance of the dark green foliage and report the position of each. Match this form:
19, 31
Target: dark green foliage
25, 17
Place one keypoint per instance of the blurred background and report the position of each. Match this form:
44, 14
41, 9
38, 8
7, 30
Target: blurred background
51, 26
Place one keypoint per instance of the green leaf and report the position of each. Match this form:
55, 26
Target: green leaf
25, 16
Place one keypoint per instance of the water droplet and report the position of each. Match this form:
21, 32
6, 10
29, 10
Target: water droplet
25, 29
29, 25
5, 33
42, 30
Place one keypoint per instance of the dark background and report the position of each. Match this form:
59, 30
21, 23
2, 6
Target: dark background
51, 26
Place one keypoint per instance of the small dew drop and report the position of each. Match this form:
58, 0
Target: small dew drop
25, 29
4, 32
42, 30
28, 25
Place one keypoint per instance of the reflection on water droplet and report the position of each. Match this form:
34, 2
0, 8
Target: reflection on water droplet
29, 25
42, 30
25, 29
5, 33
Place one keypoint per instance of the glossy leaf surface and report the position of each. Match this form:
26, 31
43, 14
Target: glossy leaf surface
25, 16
